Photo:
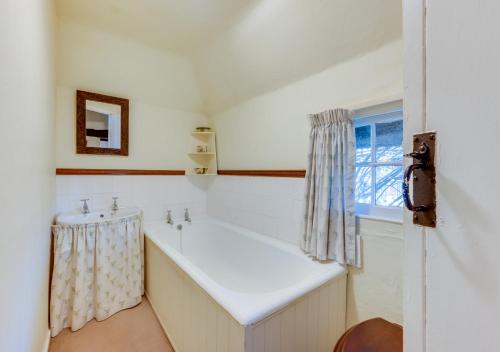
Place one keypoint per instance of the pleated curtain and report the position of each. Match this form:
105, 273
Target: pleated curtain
329, 226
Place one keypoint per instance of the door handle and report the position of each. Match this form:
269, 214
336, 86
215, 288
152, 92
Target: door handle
423, 175
406, 188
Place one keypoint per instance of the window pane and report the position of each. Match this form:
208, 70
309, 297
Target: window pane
363, 184
363, 144
388, 141
388, 187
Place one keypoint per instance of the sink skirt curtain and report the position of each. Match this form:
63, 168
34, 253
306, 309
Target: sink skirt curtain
98, 271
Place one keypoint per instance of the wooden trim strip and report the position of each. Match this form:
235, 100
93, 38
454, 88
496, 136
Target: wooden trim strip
256, 173
264, 173
119, 172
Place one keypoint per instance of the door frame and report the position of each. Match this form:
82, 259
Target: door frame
415, 240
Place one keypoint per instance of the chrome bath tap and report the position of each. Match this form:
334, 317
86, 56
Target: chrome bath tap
169, 217
115, 207
186, 215
85, 208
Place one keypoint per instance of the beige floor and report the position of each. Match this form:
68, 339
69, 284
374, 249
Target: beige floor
132, 330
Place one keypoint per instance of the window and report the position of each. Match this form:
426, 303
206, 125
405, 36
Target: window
379, 163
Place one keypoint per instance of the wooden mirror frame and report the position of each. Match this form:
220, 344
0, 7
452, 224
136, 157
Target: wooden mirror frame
81, 133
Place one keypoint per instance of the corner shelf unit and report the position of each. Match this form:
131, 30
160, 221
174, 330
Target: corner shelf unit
206, 159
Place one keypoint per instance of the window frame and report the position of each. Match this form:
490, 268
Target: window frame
369, 117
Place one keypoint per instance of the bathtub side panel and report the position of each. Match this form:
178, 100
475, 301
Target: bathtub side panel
313, 323
192, 320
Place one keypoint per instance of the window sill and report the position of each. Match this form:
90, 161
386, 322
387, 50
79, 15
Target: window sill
379, 213
393, 220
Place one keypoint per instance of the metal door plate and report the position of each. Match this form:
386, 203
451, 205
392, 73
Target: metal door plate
424, 182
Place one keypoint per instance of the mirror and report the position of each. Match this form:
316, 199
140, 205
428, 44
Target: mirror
101, 124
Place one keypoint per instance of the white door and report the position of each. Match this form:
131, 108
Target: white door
452, 86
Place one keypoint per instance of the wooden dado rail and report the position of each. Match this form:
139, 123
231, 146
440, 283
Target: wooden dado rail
262, 173
265, 173
119, 172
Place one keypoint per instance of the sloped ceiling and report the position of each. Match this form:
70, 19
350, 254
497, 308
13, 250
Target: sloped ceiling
176, 25
243, 48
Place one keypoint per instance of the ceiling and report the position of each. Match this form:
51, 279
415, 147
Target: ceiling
278, 42
177, 25
243, 48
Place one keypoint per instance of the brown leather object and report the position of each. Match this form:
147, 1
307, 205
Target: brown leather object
374, 335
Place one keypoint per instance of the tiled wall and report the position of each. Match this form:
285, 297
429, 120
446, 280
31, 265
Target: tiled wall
267, 205
273, 206
153, 194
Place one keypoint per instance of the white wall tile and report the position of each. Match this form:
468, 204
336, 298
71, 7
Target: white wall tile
153, 194
101, 200
269, 205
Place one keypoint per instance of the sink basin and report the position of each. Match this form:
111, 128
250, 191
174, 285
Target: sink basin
95, 216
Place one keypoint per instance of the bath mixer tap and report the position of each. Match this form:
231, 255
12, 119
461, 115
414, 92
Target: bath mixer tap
186, 215
169, 217
114, 207
85, 208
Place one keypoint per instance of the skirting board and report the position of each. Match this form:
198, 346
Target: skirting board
47, 342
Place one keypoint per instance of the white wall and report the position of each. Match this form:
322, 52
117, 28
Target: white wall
376, 290
27, 177
273, 206
164, 100
271, 130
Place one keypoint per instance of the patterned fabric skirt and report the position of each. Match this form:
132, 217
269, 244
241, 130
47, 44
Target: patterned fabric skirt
98, 271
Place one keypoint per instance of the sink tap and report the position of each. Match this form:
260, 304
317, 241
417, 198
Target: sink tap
85, 208
186, 215
169, 217
114, 207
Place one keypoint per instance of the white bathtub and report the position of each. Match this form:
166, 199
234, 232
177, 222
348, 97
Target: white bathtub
249, 275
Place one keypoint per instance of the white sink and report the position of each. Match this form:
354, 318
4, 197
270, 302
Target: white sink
95, 216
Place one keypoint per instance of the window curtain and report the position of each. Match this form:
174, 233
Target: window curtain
98, 270
329, 231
